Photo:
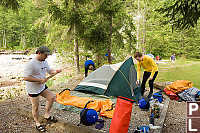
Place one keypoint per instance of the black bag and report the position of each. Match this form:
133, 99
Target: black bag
88, 116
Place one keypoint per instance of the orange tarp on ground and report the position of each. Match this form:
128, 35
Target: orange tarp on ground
107, 109
104, 106
179, 86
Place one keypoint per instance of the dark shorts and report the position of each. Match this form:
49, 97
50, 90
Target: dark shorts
35, 95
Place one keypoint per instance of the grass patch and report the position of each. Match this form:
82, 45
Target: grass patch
181, 70
49, 83
62, 79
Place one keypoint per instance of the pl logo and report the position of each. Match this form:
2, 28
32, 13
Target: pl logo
193, 117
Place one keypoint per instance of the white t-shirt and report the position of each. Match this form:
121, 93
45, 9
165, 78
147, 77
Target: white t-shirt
36, 69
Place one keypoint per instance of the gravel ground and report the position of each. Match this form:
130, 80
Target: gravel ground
15, 117
175, 121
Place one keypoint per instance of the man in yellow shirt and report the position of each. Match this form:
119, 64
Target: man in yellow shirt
150, 71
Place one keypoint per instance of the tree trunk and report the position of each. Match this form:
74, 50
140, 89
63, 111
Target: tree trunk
4, 39
144, 29
110, 44
98, 58
76, 51
110, 39
138, 25
23, 41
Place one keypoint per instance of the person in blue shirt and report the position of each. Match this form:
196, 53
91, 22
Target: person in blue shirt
89, 65
173, 58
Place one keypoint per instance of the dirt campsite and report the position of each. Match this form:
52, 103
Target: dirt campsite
16, 108
120, 66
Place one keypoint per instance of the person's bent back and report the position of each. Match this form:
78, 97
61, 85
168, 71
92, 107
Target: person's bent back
89, 65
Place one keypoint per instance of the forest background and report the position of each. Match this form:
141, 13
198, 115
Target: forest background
118, 28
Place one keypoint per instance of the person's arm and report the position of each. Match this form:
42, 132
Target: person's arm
32, 79
52, 71
138, 70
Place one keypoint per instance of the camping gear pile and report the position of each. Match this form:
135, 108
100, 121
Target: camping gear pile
182, 90
154, 103
155, 109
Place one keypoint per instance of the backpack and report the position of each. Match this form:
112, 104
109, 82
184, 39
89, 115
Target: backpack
88, 116
197, 96
158, 96
144, 103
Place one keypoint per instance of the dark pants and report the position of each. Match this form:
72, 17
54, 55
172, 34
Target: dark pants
146, 75
35, 95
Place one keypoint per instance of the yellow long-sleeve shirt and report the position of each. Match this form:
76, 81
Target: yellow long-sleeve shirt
148, 64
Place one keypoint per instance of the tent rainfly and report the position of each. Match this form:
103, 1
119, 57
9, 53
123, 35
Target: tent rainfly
112, 80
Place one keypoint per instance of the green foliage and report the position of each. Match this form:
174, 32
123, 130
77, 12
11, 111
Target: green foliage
163, 41
57, 14
11, 4
19, 27
181, 13
92, 23
110, 7
98, 25
97, 35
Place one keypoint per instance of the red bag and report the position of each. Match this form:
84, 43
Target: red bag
122, 116
171, 95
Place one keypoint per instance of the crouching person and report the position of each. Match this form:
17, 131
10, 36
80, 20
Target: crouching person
89, 65
150, 71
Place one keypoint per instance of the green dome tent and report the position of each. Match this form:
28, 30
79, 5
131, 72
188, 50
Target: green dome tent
112, 80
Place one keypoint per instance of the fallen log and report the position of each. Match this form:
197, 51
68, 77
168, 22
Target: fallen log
162, 116
15, 52
161, 85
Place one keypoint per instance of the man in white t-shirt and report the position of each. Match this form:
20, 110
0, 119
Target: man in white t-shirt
35, 77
